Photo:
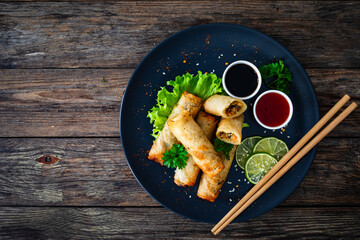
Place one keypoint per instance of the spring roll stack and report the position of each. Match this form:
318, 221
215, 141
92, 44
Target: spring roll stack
166, 139
188, 132
196, 136
187, 176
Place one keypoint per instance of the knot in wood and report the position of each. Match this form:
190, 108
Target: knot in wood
47, 159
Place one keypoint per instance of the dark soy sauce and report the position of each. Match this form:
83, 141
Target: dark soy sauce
241, 80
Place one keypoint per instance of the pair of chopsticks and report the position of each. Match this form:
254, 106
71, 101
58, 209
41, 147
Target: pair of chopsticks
278, 170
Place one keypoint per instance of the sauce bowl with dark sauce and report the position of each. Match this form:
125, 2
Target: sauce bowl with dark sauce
241, 79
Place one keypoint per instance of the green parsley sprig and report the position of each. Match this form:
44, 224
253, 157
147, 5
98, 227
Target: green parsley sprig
276, 76
224, 147
175, 157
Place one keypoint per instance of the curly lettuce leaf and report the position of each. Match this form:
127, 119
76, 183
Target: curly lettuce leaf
201, 85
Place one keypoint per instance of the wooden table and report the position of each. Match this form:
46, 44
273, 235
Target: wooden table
64, 68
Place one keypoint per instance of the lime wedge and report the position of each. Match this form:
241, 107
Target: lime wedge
245, 149
258, 165
272, 145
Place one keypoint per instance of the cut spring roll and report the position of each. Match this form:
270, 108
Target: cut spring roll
188, 132
224, 106
229, 130
187, 176
209, 188
166, 139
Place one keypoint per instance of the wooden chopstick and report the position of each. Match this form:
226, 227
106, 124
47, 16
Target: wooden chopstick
239, 207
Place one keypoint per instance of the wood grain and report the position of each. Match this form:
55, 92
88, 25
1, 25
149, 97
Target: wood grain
104, 35
78, 102
160, 223
94, 172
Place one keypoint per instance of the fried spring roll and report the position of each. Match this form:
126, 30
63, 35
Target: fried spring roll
224, 106
187, 176
229, 130
188, 132
209, 188
166, 139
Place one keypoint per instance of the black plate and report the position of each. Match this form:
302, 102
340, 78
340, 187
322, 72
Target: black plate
208, 48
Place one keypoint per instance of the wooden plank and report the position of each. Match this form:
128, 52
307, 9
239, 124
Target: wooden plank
160, 223
90, 172
77, 35
94, 172
61, 102
77, 102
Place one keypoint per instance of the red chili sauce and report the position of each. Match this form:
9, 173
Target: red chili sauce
272, 109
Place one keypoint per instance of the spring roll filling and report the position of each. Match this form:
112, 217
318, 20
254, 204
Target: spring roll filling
233, 108
225, 135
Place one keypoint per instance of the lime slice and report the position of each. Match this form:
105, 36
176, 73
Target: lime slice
272, 145
258, 165
244, 150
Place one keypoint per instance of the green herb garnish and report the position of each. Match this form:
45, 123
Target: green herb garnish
175, 157
276, 76
224, 147
201, 85
103, 80
245, 125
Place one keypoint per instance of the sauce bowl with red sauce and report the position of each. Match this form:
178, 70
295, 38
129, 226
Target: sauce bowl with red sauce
273, 109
